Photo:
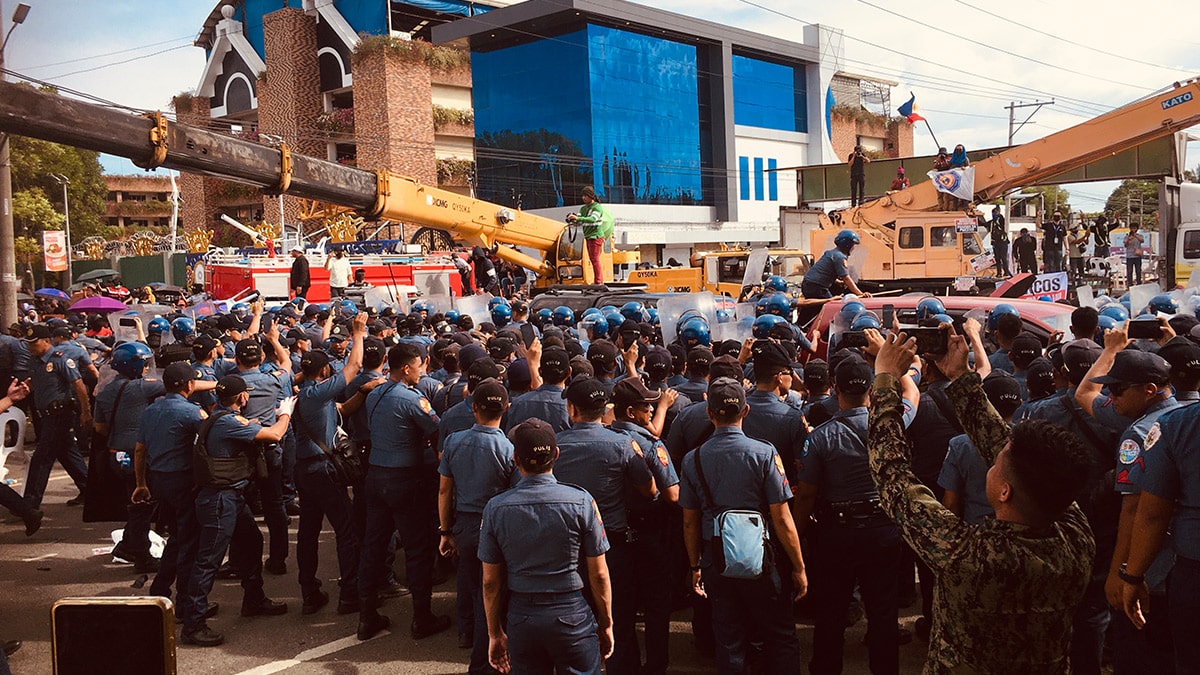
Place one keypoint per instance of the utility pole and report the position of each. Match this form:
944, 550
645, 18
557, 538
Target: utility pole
8, 259
65, 182
1013, 128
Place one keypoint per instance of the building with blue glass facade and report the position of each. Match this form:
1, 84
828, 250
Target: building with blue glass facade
680, 124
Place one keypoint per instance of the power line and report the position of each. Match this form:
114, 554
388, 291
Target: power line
119, 51
118, 63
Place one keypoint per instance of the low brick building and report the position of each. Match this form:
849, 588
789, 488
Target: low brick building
138, 201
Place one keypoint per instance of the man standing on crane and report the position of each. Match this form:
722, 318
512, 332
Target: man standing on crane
858, 162
828, 271
597, 226
299, 280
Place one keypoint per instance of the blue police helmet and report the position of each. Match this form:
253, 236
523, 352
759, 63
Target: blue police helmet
347, 309
942, 318
776, 283
597, 323
1000, 310
724, 316
130, 358
1105, 323
633, 310
158, 326
613, 317
452, 315
563, 316
695, 332
760, 307
423, 306
652, 315
544, 314
183, 328
501, 315
866, 320
850, 310
846, 240
927, 307
763, 325
1116, 312
1045, 298
241, 310
605, 309
589, 312
498, 300
1164, 303
779, 304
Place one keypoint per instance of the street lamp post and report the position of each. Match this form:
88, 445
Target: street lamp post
8, 261
64, 182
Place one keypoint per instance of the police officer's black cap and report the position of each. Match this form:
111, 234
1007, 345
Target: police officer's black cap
449, 355
203, 344
727, 348
1079, 355
782, 331
501, 348
176, 375
854, 377
469, 354
248, 350
1039, 379
490, 395
1027, 345
36, 331
62, 332
1183, 355
555, 364
295, 335
311, 309
312, 362
482, 369
574, 348
534, 443
231, 385
339, 333
725, 366
770, 358
519, 307
603, 353
553, 332
229, 322
631, 328
699, 357
631, 391
581, 367
647, 330
1136, 367
518, 374
487, 327
379, 326
726, 397
1003, 391
678, 354
816, 372
374, 346
1183, 324
587, 394
658, 364
288, 310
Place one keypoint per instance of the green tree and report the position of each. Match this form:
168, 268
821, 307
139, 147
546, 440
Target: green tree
28, 251
1137, 200
33, 212
1054, 199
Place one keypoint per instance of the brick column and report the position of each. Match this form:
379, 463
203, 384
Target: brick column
196, 191
393, 116
289, 98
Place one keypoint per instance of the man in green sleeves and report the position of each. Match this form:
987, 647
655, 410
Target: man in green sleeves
597, 226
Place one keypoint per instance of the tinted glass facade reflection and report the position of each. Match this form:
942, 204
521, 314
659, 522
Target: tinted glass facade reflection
769, 95
616, 110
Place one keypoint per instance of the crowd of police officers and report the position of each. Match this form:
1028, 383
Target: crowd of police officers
570, 470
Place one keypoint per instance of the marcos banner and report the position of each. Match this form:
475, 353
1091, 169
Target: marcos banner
54, 248
1053, 285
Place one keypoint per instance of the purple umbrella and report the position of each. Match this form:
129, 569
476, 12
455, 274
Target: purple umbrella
98, 303
52, 293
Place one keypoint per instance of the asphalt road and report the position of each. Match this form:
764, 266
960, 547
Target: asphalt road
59, 561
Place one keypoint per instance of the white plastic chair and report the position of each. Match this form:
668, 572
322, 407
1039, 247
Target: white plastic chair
9, 417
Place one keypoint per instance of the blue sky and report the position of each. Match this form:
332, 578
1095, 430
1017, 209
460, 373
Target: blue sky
964, 59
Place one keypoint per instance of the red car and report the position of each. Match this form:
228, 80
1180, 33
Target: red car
1040, 318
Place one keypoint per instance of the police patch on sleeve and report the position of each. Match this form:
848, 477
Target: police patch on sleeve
1129, 451
779, 465
596, 509
425, 407
241, 420
70, 363
49, 367
662, 456
637, 449
1153, 435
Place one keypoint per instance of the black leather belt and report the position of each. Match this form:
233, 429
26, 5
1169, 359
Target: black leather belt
62, 405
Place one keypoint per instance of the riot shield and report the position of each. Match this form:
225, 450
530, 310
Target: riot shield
756, 262
1139, 297
672, 308
475, 306
1086, 295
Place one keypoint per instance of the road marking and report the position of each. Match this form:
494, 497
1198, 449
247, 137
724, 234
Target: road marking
310, 655
41, 557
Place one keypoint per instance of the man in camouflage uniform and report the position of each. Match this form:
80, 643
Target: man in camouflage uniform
1006, 588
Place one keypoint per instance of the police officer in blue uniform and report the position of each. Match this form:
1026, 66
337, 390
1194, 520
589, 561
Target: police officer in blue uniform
649, 519
546, 402
829, 270
230, 453
268, 385
162, 462
699, 360
60, 402
531, 543
741, 473
322, 496
119, 406
476, 465
771, 419
855, 542
606, 463
401, 491
461, 415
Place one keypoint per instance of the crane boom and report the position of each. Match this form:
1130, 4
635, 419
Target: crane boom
1126, 127
152, 141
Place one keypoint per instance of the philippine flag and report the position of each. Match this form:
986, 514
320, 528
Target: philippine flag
909, 110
